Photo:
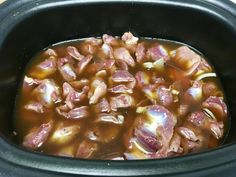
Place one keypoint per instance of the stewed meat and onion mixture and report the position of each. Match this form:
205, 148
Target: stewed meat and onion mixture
120, 99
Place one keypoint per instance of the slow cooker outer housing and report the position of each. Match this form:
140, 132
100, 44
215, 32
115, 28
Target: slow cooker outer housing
28, 26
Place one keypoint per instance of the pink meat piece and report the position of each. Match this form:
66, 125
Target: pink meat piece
121, 101
103, 106
217, 129
197, 118
63, 110
67, 89
150, 92
165, 96
156, 52
165, 121
79, 83
67, 72
64, 60
186, 59
73, 52
29, 84
51, 52
86, 149
73, 96
110, 118
34, 106
194, 93
175, 144
107, 39
81, 66
129, 38
120, 89
140, 53
210, 89
107, 50
200, 119
203, 67
89, 47
191, 146
79, 113
187, 133
49, 65
142, 79
157, 80
47, 93
147, 139
122, 65
124, 55
104, 65
99, 88
159, 122
37, 136
65, 66
108, 64
122, 76
217, 106
162, 123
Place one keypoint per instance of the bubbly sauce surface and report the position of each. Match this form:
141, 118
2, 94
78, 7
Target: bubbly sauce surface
120, 99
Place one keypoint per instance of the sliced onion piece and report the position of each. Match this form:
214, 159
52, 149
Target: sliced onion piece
140, 147
148, 65
157, 65
205, 75
174, 91
140, 110
111, 118
209, 113
64, 134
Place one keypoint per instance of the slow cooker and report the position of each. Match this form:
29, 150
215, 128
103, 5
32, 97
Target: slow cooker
27, 26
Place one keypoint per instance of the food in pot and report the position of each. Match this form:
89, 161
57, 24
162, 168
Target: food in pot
120, 99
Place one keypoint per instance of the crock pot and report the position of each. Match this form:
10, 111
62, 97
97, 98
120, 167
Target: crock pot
27, 26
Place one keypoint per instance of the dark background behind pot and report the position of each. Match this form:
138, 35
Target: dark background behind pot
29, 26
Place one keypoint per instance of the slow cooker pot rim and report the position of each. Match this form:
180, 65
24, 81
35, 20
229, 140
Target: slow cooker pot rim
13, 154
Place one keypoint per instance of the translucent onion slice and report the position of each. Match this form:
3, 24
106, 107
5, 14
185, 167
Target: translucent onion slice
109, 118
64, 134
158, 65
136, 151
209, 113
205, 75
140, 147
141, 110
